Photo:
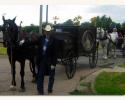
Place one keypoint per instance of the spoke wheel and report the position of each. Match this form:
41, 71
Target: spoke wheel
93, 58
70, 68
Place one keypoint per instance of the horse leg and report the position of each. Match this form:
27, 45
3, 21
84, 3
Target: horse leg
114, 51
13, 72
104, 50
22, 76
110, 49
34, 72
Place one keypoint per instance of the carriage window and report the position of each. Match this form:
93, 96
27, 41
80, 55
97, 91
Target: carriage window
58, 30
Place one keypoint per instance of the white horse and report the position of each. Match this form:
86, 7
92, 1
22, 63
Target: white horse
103, 40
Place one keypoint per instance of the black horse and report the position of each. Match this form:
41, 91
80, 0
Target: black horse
17, 52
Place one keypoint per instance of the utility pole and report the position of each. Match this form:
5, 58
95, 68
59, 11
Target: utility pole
46, 14
40, 22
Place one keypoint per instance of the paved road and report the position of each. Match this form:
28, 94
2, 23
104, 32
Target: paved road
62, 85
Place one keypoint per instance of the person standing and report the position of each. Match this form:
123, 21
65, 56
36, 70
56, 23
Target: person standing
46, 60
113, 40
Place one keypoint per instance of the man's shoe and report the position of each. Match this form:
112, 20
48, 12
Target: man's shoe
40, 93
50, 93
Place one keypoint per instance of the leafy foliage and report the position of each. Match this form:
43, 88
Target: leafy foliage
69, 22
86, 25
31, 28
123, 27
102, 21
76, 20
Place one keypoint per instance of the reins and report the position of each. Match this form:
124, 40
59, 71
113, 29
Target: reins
11, 57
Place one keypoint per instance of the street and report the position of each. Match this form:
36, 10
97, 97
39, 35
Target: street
62, 85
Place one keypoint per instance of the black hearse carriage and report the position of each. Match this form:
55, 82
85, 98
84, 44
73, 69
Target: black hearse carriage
73, 43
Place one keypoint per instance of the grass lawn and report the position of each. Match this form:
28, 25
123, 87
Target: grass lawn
122, 65
3, 51
110, 83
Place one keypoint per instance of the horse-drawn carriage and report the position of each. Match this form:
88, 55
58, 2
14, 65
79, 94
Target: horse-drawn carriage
73, 43
110, 40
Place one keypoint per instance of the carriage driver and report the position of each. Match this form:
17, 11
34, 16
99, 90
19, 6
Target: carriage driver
46, 60
113, 41
114, 35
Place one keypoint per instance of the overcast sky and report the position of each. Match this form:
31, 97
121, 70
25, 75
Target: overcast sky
29, 14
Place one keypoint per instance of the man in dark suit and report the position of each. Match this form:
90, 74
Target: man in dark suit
46, 60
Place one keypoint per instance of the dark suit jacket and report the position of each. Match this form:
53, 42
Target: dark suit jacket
51, 51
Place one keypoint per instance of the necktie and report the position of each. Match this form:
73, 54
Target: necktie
45, 46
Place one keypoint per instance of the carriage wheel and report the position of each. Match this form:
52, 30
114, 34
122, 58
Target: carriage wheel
93, 58
70, 68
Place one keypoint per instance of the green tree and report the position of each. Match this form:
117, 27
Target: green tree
102, 21
86, 25
123, 27
96, 21
76, 20
118, 26
34, 28
69, 22
31, 28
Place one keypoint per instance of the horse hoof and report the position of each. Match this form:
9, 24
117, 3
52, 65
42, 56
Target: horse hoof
34, 80
22, 90
12, 88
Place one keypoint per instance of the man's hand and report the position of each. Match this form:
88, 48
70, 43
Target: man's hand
52, 67
21, 42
